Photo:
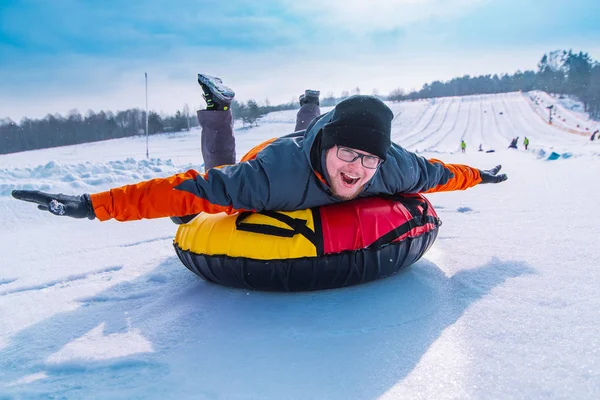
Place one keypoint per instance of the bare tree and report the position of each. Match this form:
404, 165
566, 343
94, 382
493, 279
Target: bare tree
186, 114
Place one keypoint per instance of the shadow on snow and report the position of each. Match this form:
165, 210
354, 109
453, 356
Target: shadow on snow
215, 342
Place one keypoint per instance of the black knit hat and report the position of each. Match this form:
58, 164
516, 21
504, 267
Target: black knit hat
360, 122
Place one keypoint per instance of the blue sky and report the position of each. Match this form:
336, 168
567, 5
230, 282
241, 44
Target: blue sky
66, 54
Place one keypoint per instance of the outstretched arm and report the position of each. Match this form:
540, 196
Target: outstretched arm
454, 177
241, 187
162, 197
416, 174
464, 177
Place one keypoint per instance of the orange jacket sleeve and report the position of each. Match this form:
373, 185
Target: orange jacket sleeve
461, 177
177, 195
153, 199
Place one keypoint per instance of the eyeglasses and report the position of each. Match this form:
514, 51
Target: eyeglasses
349, 155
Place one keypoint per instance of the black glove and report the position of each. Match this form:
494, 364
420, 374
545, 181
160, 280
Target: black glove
59, 204
490, 175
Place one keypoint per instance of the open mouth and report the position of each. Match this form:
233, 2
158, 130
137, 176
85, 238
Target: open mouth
349, 180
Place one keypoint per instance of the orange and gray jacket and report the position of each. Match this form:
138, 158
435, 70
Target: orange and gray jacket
282, 174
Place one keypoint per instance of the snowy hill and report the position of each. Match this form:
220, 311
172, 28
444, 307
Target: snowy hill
505, 304
567, 114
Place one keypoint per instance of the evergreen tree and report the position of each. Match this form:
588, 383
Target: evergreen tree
155, 123
579, 70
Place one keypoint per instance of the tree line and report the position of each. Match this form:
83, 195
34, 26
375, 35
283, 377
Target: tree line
74, 128
57, 130
561, 71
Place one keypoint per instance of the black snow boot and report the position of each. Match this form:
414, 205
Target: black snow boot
218, 97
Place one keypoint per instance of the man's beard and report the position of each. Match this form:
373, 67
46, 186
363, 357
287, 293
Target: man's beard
348, 198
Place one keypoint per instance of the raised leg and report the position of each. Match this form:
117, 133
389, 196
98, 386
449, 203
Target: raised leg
309, 109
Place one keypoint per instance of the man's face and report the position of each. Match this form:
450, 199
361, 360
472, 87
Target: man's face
347, 178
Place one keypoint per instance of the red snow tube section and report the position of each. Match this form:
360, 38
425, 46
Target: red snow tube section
314, 249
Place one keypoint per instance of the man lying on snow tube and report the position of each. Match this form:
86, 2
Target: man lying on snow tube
341, 155
320, 248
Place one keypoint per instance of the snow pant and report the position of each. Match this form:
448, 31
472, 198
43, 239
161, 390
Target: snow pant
218, 142
305, 115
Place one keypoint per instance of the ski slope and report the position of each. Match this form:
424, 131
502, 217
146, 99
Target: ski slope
504, 305
563, 117
492, 121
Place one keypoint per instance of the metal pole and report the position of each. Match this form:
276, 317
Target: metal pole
146, 75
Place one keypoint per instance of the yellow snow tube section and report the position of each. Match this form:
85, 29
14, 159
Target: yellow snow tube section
284, 235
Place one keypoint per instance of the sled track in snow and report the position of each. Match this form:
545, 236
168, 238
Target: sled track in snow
438, 105
444, 135
500, 139
464, 134
412, 123
432, 147
427, 126
511, 116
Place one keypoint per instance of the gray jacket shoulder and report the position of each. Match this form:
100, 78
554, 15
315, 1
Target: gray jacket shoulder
293, 183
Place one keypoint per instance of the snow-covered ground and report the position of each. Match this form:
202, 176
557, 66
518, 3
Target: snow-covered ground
506, 304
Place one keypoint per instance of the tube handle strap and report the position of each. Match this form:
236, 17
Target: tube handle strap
403, 229
297, 226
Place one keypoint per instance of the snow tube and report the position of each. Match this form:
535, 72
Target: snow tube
320, 248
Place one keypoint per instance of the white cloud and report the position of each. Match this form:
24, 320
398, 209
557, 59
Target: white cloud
378, 15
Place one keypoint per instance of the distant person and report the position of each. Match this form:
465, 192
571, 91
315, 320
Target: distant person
463, 146
343, 154
526, 142
513, 143
593, 137
480, 147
